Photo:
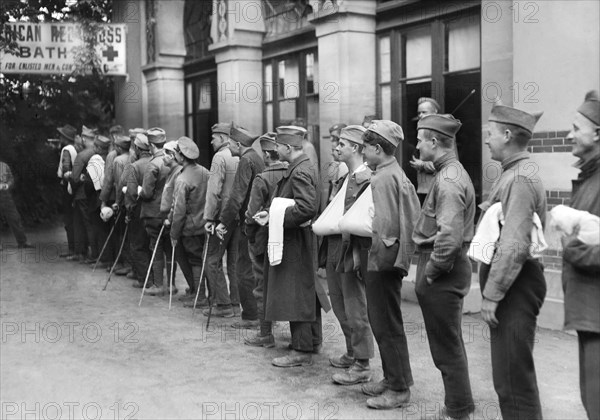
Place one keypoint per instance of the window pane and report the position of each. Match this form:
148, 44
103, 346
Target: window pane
189, 97
269, 115
190, 127
268, 96
203, 89
311, 72
418, 53
289, 79
312, 105
287, 111
384, 59
463, 44
386, 102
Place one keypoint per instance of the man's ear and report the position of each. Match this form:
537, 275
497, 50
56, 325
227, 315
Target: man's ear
507, 135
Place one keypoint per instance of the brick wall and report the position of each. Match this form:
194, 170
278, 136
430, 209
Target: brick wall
550, 142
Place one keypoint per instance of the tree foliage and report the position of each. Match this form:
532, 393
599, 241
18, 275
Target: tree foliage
33, 106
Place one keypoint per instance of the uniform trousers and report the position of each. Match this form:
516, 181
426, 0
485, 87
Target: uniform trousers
214, 269
245, 277
307, 336
81, 226
512, 341
258, 269
383, 303
67, 210
9, 211
589, 372
163, 247
99, 234
140, 243
441, 304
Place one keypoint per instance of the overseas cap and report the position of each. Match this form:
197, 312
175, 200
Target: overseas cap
68, 131
335, 129
507, 115
242, 135
221, 128
353, 133
135, 131
442, 123
432, 101
156, 135
88, 132
291, 135
122, 141
267, 141
591, 107
389, 130
171, 145
141, 141
188, 148
102, 141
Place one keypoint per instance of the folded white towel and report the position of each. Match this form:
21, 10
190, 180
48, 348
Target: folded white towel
565, 219
483, 244
276, 216
95, 169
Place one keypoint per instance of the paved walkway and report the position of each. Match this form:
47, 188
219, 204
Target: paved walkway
70, 350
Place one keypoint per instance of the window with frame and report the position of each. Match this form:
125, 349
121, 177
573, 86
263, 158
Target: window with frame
438, 58
291, 92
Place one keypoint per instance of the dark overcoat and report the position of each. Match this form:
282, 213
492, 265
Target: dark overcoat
291, 287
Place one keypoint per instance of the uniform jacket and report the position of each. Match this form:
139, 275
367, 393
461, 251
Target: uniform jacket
234, 208
108, 188
155, 177
521, 192
262, 190
166, 202
291, 286
189, 201
446, 222
222, 173
581, 262
135, 178
118, 168
396, 207
79, 166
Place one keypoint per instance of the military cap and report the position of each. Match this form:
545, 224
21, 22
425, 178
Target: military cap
171, 145
243, 136
591, 107
507, 115
116, 129
353, 133
102, 141
156, 135
299, 122
68, 131
389, 130
188, 148
267, 141
290, 134
141, 141
122, 141
442, 123
88, 132
135, 131
335, 129
369, 118
432, 101
221, 128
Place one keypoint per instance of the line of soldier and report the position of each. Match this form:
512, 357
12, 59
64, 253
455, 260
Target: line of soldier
236, 208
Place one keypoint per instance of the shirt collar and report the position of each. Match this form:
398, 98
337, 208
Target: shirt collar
444, 160
511, 160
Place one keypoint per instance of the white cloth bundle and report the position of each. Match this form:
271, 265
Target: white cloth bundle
328, 222
565, 219
276, 216
71, 149
358, 220
95, 169
483, 244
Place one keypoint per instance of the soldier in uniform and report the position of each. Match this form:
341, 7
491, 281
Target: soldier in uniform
581, 262
232, 217
187, 215
139, 240
81, 224
291, 291
443, 234
513, 286
347, 289
220, 184
67, 157
261, 192
396, 209
155, 177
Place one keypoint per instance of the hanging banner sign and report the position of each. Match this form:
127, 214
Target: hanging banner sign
50, 48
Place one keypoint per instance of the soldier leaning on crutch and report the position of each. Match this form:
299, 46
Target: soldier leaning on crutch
187, 215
